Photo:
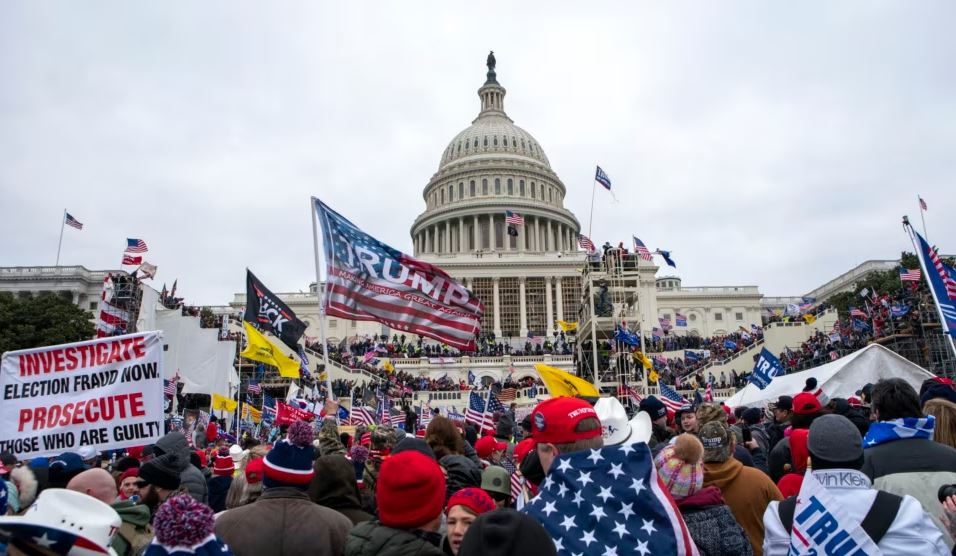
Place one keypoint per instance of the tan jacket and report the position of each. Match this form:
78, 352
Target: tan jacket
747, 492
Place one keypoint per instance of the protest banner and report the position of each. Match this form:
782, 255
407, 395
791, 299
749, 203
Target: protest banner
287, 414
105, 393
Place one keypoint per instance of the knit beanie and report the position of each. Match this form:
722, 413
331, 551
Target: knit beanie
410, 490
131, 472
162, 472
125, 463
289, 462
224, 465
255, 470
936, 388
679, 466
506, 533
475, 499
185, 526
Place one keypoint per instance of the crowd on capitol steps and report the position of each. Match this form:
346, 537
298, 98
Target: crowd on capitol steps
871, 474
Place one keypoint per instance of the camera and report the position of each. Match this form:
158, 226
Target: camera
945, 492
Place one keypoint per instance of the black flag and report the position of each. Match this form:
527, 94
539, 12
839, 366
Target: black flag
268, 313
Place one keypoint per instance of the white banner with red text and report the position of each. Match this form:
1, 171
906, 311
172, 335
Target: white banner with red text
105, 393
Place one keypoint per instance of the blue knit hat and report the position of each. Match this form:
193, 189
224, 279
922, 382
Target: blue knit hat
289, 462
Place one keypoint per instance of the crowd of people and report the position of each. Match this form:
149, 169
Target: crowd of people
882, 462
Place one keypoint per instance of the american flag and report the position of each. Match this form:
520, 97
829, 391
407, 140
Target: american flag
426, 414
601, 177
631, 393
709, 392
672, 398
680, 319
477, 413
112, 321
362, 415
642, 249
70, 221
134, 245
513, 218
586, 243
254, 387
368, 280
203, 417
944, 274
907, 275
169, 387
507, 395
922, 203
854, 312
610, 498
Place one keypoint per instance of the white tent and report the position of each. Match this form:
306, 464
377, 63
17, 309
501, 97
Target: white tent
838, 379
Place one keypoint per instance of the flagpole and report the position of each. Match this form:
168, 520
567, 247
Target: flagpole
924, 265
320, 298
63, 225
922, 216
591, 218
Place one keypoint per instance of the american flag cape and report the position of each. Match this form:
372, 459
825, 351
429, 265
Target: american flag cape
609, 501
671, 398
368, 280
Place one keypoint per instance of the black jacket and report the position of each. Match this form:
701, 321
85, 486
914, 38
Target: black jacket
333, 486
462, 473
374, 539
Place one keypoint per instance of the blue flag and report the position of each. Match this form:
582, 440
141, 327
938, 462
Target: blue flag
667, 257
899, 310
471, 377
860, 326
942, 280
625, 336
691, 356
767, 367
601, 177
609, 498
730, 344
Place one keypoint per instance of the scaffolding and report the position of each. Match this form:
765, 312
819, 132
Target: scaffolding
610, 299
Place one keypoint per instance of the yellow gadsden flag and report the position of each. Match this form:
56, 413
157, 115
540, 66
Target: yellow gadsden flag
643, 360
568, 326
222, 403
259, 348
809, 318
560, 383
250, 412
653, 377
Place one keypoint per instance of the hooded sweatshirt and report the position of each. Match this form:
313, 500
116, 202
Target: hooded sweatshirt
135, 518
192, 478
747, 491
334, 486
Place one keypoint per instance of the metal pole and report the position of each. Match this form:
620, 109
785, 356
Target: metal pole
63, 224
922, 216
591, 218
594, 353
320, 298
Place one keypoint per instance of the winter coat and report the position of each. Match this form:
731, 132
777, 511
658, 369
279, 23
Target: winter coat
374, 539
135, 522
912, 532
712, 525
913, 466
189, 476
218, 489
469, 452
775, 433
283, 522
462, 472
329, 441
334, 486
747, 492
212, 432
659, 436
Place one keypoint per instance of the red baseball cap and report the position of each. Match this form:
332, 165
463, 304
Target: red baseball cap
806, 403
488, 444
522, 449
553, 421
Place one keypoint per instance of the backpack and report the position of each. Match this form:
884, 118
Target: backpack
876, 522
137, 539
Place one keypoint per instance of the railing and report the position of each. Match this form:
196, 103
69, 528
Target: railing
44, 271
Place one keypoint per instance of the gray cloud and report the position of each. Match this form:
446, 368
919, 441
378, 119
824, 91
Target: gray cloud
764, 144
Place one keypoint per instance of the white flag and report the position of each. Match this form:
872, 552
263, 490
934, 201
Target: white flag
815, 505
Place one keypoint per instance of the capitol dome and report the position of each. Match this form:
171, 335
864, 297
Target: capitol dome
490, 168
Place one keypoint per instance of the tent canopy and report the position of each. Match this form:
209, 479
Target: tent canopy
838, 379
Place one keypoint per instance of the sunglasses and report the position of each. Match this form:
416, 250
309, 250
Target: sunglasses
141, 484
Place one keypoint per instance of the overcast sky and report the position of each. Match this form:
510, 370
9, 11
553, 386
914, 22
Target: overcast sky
767, 143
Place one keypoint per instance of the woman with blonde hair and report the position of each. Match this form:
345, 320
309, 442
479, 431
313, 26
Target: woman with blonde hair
945, 413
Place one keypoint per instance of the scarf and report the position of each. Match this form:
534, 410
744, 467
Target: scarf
882, 432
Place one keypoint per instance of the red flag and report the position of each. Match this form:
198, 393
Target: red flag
132, 260
287, 414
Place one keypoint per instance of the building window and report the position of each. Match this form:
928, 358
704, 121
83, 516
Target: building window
483, 288
92, 305
461, 190
521, 186
485, 140
476, 142
693, 317
484, 187
508, 295
497, 186
451, 193
522, 144
550, 199
496, 140
739, 316
718, 316
354, 324
511, 187
666, 316
333, 323
532, 190
471, 186
442, 196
